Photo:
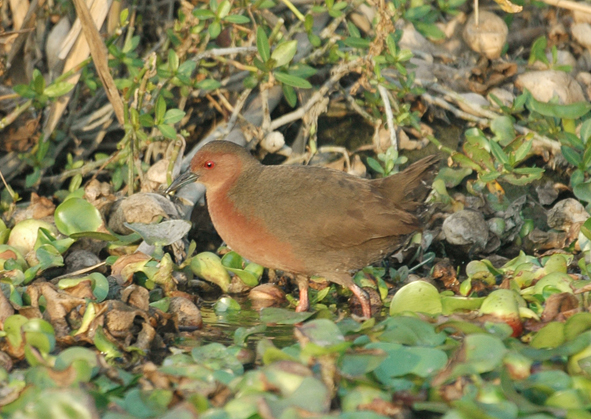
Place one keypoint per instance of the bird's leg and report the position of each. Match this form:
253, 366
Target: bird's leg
304, 304
363, 299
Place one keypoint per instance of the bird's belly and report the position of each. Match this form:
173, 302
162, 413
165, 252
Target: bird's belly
250, 238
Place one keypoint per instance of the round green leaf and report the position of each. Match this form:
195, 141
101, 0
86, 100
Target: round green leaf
418, 296
77, 215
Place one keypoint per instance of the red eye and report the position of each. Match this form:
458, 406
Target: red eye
209, 164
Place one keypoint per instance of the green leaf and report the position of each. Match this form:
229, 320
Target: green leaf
430, 30
239, 19
173, 61
146, 120
223, 9
58, 89
586, 228
38, 82
502, 126
353, 30
263, 44
375, 165
498, 152
208, 84
292, 80
302, 70
160, 109
571, 111
585, 133
284, 53
24, 90
167, 131
583, 191
357, 42
172, 116
214, 30
418, 296
416, 13
203, 14
77, 215
290, 95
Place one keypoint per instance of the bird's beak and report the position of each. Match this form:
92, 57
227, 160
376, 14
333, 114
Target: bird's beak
182, 180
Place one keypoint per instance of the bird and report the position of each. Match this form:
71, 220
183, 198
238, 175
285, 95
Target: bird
308, 220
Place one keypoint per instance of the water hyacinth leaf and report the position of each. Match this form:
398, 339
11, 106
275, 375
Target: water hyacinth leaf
550, 336
89, 315
100, 286
458, 304
145, 404
483, 353
76, 217
209, 266
284, 53
360, 363
558, 280
546, 381
322, 332
274, 315
162, 304
62, 403
577, 324
410, 331
83, 360
217, 357
403, 360
12, 328
418, 296
104, 345
226, 304
571, 399
48, 257
361, 396
311, 396
242, 333
39, 334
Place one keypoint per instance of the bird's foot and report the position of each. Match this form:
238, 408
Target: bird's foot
364, 300
304, 303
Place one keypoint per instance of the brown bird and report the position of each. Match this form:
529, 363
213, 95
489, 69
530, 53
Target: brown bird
308, 220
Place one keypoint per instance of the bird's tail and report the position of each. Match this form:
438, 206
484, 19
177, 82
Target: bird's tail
409, 188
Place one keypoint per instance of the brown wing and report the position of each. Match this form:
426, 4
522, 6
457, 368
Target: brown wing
323, 208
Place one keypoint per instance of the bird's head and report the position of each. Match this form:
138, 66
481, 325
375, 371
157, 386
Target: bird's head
216, 164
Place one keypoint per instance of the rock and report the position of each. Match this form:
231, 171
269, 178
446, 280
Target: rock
488, 37
544, 85
466, 227
566, 213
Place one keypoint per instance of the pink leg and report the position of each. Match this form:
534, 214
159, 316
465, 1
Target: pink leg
363, 299
304, 303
